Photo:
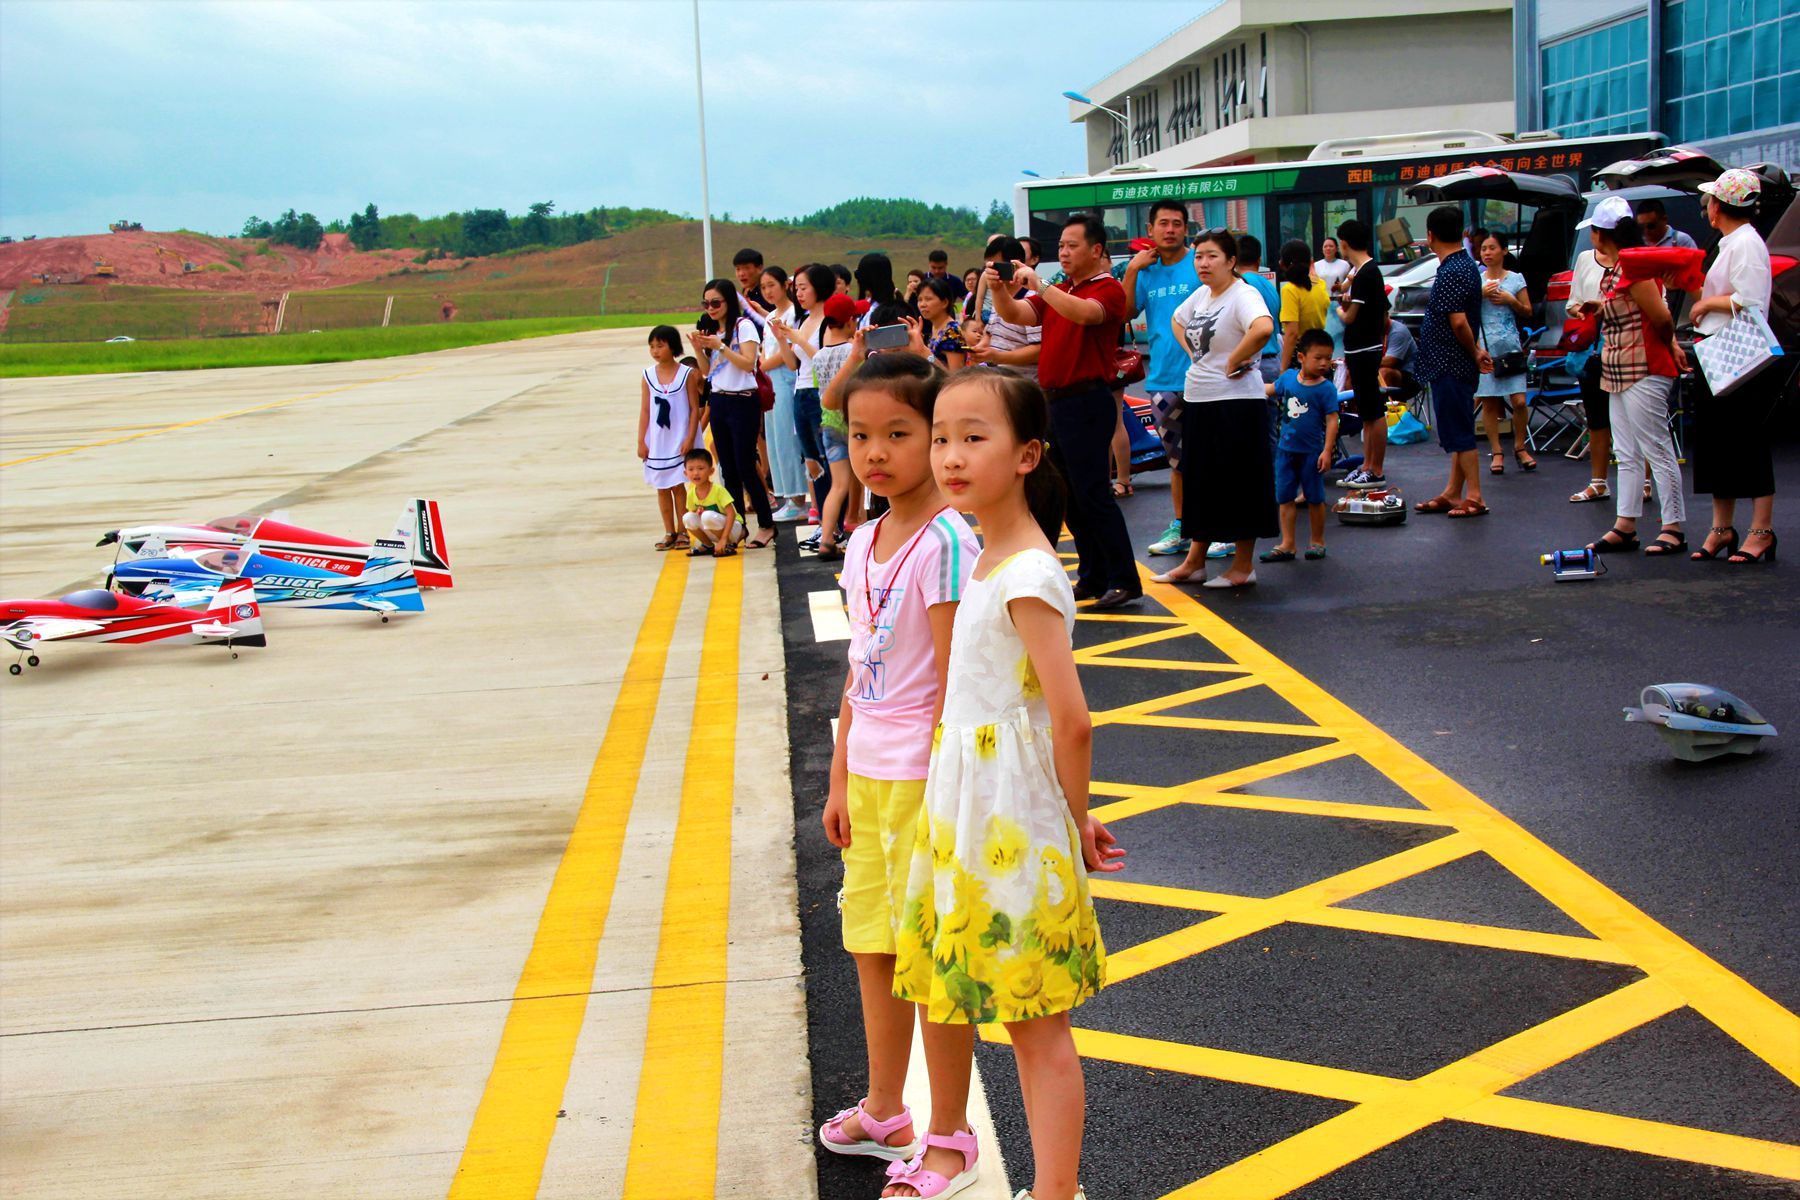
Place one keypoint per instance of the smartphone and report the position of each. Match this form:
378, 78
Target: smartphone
1004, 270
886, 337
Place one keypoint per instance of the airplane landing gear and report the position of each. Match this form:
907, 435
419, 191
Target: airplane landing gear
31, 660
15, 669
384, 620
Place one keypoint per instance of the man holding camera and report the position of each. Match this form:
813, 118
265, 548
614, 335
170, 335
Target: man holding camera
1081, 318
1001, 343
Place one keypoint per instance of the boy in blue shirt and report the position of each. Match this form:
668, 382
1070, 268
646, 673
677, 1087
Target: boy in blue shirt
1309, 410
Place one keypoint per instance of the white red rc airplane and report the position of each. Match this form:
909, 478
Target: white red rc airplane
232, 619
420, 523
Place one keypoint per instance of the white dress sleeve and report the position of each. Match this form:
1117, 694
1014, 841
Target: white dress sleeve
1039, 576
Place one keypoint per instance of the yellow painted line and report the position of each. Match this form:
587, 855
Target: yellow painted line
1316, 1152
1220, 725
1318, 808
1164, 633
1637, 1135
1762, 1026
1256, 772
1082, 614
153, 431
510, 1135
1087, 658
1175, 699
1256, 917
675, 1130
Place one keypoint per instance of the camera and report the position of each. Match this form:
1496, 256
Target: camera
1004, 269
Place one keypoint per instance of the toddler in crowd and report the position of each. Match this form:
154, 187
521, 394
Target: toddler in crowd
1309, 410
668, 419
712, 515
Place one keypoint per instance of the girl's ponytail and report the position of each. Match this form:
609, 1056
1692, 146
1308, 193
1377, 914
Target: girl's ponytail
1028, 411
1046, 495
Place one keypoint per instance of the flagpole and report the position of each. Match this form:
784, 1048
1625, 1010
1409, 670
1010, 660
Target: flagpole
705, 199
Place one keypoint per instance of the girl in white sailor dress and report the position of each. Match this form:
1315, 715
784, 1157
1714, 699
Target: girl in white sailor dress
668, 422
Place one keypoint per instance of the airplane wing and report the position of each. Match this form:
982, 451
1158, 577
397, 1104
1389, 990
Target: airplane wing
377, 604
30, 630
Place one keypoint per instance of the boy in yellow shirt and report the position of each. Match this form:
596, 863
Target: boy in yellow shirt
711, 515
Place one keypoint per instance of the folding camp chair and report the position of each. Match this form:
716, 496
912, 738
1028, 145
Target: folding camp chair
1553, 405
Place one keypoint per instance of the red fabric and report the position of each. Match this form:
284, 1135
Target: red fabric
1677, 267
1075, 353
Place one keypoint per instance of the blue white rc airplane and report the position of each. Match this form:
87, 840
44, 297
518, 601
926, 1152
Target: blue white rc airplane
190, 576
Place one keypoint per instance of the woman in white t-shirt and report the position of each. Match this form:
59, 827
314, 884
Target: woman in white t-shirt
785, 460
1334, 269
728, 360
1228, 464
1731, 444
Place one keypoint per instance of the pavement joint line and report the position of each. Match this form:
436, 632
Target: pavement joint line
509, 1136
1276, 910
1356, 920
684, 1041
1403, 1110
241, 412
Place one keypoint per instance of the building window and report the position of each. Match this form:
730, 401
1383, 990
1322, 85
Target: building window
1598, 82
1729, 66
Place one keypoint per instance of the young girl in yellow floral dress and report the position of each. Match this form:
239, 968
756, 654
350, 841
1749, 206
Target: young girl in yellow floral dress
997, 924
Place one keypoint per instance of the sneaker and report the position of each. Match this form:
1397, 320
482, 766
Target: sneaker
1171, 541
1366, 482
811, 543
812, 515
1221, 550
788, 512
1353, 480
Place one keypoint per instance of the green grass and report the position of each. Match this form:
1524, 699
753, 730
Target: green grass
90, 358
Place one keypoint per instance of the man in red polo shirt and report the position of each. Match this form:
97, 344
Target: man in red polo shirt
1081, 319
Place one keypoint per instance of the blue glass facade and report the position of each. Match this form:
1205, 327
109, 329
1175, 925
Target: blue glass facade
1598, 82
1722, 69
1729, 66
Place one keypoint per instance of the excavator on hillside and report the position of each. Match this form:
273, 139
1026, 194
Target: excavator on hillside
104, 269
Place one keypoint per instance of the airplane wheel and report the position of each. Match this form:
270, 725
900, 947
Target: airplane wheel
234, 655
32, 661
384, 620
16, 669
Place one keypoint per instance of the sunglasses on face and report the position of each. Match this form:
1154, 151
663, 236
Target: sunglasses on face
712, 304
1207, 235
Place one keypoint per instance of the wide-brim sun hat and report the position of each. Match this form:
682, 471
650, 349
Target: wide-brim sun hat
1736, 187
1610, 213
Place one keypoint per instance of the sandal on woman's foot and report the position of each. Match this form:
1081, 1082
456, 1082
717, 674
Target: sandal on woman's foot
1122, 490
1315, 552
1765, 555
1525, 461
1725, 546
669, 542
1276, 555
1615, 541
763, 538
1469, 508
1669, 541
1597, 490
875, 1142
1496, 463
1437, 504
914, 1175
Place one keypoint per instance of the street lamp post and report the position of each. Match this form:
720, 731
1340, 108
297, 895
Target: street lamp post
705, 200
1123, 118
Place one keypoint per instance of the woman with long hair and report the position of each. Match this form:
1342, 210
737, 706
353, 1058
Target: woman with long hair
786, 462
813, 285
1504, 300
1304, 296
728, 359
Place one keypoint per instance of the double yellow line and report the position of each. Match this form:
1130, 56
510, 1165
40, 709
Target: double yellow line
683, 1063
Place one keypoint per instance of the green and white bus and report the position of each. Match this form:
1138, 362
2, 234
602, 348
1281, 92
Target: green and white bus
1353, 177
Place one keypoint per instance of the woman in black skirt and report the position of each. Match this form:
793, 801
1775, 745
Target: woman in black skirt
1731, 432
1227, 465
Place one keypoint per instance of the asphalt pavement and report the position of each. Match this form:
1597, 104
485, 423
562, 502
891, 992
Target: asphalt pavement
1299, 986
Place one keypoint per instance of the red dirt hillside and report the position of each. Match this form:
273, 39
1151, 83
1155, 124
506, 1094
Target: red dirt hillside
145, 259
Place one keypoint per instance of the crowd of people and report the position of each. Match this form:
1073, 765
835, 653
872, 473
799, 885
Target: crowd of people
961, 769
1238, 409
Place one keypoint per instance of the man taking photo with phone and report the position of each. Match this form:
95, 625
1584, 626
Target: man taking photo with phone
1081, 318
1157, 280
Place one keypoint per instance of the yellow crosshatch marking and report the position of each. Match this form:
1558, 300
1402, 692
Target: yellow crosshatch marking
1384, 1109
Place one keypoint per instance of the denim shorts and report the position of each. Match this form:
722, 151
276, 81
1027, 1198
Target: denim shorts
1297, 473
837, 444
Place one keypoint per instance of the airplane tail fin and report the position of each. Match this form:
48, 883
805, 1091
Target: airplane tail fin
422, 526
234, 604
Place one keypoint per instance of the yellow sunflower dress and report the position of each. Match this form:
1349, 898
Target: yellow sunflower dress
997, 924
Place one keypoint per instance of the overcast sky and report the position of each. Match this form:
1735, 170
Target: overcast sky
199, 115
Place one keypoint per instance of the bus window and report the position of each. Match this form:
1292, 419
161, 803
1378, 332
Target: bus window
1294, 223
1122, 224
1390, 205
1047, 227
1338, 209
1507, 218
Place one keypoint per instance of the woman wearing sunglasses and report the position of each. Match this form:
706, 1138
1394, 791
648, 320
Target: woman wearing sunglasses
728, 362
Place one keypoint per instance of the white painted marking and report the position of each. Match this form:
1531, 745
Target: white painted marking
829, 620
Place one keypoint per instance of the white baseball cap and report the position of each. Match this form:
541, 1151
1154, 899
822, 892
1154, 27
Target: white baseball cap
1610, 213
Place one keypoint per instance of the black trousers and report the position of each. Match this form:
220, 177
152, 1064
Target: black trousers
736, 421
1081, 431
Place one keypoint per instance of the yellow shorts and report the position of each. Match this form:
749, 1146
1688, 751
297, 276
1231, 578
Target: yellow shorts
884, 814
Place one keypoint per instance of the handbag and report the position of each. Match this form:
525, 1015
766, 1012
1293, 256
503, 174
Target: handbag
1737, 352
1128, 367
1510, 363
1580, 332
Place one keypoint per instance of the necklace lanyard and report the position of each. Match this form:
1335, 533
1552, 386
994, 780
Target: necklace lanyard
870, 608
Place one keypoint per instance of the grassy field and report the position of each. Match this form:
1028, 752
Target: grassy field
90, 358
649, 270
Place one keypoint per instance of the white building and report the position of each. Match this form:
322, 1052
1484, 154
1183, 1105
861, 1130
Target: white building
1244, 82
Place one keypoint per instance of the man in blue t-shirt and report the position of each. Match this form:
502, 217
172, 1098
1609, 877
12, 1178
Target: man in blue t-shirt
1157, 280
1309, 410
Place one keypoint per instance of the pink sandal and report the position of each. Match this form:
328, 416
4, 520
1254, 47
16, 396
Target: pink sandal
929, 1183
834, 1139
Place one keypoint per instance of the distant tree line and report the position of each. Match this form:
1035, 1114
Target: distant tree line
484, 231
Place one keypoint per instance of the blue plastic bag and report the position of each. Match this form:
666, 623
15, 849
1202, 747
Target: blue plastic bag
1407, 431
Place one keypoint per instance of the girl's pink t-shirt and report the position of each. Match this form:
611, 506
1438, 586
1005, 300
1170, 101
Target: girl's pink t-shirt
893, 669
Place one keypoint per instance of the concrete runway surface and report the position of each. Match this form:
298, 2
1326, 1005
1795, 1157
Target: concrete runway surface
313, 923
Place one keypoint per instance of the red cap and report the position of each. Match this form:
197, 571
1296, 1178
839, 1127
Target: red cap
1139, 245
839, 308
